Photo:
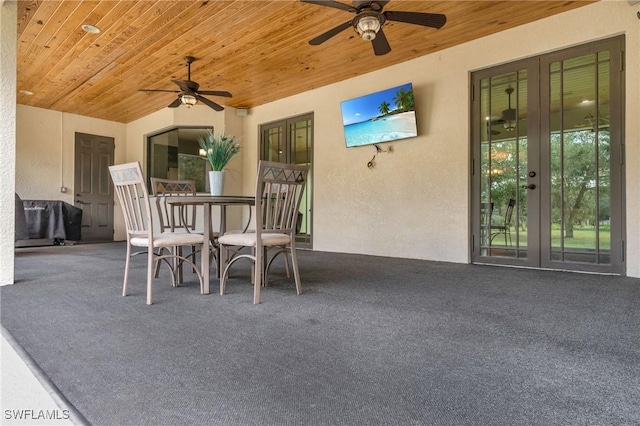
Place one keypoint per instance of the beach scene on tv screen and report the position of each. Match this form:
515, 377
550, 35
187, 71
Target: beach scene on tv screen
383, 116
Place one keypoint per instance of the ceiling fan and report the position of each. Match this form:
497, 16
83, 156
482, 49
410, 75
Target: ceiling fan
509, 116
369, 20
590, 122
190, 93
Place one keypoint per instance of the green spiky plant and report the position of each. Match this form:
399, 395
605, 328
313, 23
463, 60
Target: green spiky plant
219, 149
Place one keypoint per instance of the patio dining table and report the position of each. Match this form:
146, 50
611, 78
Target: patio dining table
208, 201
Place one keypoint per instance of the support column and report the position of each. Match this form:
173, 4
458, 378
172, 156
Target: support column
8, 49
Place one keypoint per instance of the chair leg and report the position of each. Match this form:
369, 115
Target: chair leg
258, 274
222, 268
265, 257
286, 264
193, 259
253, 267
178, 265
296, 271
157, 274
200, 277
150, 260
126, 270
216, 259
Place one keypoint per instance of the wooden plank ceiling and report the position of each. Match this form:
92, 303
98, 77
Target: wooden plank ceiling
257, 50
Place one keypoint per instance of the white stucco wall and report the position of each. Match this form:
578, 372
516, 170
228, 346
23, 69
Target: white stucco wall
45, 150
8, 31
415, 202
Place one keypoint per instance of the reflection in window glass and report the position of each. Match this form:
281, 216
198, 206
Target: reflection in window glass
580, 161
175, 154
503, 169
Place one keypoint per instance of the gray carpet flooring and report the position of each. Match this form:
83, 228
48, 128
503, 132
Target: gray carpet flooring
372, 341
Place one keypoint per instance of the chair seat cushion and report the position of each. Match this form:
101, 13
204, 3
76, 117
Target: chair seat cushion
214, 234
249, 239
169, 239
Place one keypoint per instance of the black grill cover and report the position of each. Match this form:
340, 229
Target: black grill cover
53, 219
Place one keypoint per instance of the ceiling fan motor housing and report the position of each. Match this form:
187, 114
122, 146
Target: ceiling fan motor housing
368, 23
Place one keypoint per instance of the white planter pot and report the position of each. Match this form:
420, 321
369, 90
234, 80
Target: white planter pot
216, 182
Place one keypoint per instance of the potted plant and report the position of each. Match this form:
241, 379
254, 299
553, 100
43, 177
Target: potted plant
219, 150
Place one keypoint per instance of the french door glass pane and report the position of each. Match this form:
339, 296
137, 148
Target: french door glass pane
274, 144
580, 166
300, 151
300, 141
503, 168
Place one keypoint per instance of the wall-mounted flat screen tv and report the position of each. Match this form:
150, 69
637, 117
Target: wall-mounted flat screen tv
382, 116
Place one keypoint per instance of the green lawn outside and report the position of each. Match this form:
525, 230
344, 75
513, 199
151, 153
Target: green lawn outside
583, 238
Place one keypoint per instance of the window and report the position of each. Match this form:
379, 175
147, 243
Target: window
175, 154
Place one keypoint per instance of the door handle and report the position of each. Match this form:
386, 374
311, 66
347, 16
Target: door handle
530, 186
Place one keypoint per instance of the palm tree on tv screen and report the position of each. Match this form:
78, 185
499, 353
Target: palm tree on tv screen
404, 100
384, 108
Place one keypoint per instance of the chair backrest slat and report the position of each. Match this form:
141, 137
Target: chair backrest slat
133, 197
509, 212
163, 188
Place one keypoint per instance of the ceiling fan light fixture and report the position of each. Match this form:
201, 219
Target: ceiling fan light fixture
509, 125
188, 100
367, 27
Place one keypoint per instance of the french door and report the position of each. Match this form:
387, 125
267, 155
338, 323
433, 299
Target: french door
291, 141
547, 161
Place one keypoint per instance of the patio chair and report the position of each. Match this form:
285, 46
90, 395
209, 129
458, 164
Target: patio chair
133, 196
184, 221
279, 191
162, 188
486, 214
505, 227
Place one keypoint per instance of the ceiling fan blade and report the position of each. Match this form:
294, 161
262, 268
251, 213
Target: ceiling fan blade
158, 90
434, 20
380, 44
330, 3
182, 85
175, 104
326, 36
209, 103
187, 85
214, 93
